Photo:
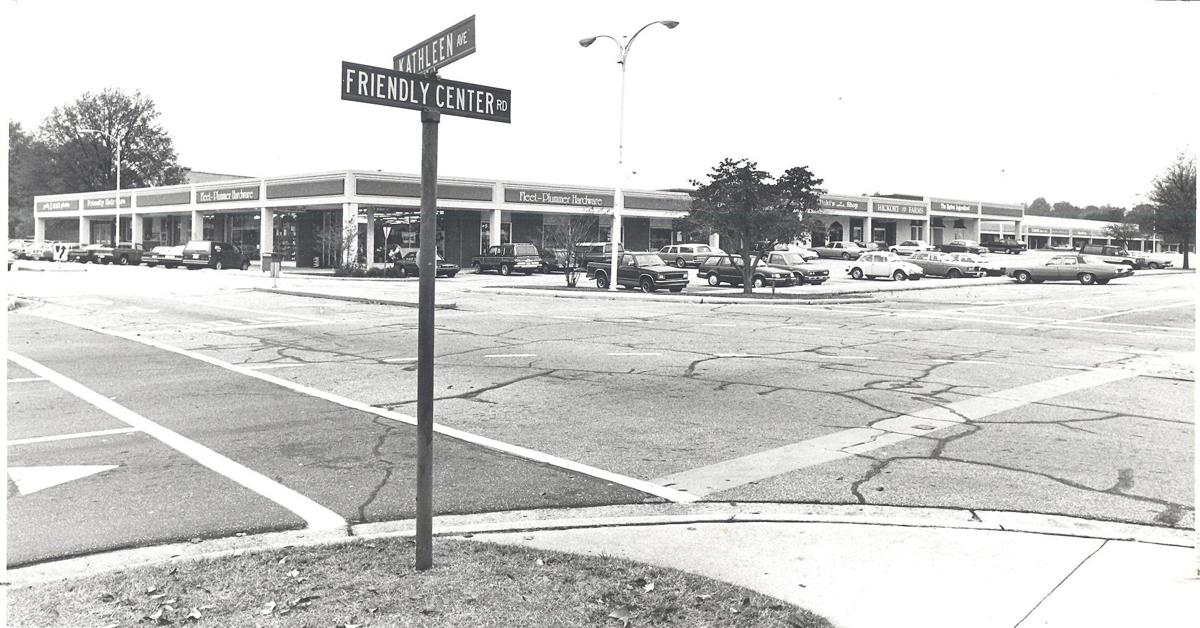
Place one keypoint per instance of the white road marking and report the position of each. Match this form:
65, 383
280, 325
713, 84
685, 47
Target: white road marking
50, 439
261, 367
717, 325
1014, 324
739, 355
850, 442
837, 357
1124, 312
511, 355
251, 310
400, 360
314, 514
33, 479
22, 380
483, 441
800, 327
572, 318
886, 330
177, 330
133, 309
633, 353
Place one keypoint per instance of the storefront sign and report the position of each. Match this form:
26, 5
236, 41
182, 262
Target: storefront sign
898, 208
225, 195
1087, 232
107, 202
555, 197
1037, 230
835, 204
381, 86
993, 210
55, 206
442, 49
1060, 232
958, 208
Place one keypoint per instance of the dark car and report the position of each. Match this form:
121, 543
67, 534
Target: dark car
408, 266
168, 256
508, 258
962, 246
216, 255
553, 259
645, 271
803, 271
1085, 269
84, 254
1113, 255
718, 269
1007, 245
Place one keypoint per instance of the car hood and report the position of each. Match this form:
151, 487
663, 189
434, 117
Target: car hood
659, 268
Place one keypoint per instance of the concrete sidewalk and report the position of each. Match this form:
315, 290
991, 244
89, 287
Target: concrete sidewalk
860, 566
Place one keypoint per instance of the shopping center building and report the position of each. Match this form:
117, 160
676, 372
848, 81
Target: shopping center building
325, 218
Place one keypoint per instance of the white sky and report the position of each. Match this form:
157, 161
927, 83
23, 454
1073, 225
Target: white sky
1005, 101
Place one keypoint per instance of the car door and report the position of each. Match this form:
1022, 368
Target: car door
627, 270
730, 272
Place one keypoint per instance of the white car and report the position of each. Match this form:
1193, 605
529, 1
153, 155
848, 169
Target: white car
990, 267
884, 264
1166, 259
908, 247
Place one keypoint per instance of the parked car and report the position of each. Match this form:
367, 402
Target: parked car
84, 254
805, 252
1084, 268
11, 258
684, 255
1007, 245
990, 267
37, 251
1166, 259
508, 258
1113, 255
908, 247
588, 252
718, 269
877, 245
553, 259
168, 256
884, 264
645, 271
844, 250
945, 265
802, 271
15, 246
1062, 247
408, 266
122, 254
962, 246
216, 255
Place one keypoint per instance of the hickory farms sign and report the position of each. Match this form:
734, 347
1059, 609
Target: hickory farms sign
554, 197
843, 205
442, 49
107, 202
957, 208
900, 208
381, 86
225, 195
55, 206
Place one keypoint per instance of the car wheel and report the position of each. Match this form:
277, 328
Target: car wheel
680, 262
168, 265
528, 272
846, 256
476, 267
1153, 266
856, 273
1087, 279
193, 267
954, 273
505, 270
217, 265
680, 289
544, 268
1102, 281
246, 265
646, 284
451, 275
758, 282
148, 265
714, 280
402, 271
1022, 276
123, 260
899, 275
602, 281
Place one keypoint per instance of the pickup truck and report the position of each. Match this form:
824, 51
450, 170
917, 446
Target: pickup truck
1006, 245
122, 254
645, 271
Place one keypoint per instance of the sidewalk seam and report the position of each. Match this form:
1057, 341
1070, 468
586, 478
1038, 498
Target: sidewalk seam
1060, 583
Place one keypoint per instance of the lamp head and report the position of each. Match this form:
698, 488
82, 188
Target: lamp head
587, 42
669, 23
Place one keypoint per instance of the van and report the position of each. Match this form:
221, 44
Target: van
211, 254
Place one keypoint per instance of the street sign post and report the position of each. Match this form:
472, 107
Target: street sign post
442, 49
432, 96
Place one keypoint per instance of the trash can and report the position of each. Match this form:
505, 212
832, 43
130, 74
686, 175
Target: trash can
273, 263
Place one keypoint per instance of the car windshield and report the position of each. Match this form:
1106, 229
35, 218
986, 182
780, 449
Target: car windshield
968, 257
1087, 259
648, 259
793, 258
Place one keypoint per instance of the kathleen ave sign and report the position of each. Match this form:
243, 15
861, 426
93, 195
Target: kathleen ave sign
442, 49
381, 86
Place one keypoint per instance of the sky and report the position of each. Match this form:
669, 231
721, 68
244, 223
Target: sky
1085, 102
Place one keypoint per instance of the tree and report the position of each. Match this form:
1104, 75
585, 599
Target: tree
21, 185
80, 161
1063, 209
757, 208
1123, 232
1174, 197
1143, 216
567, 235
1039, 207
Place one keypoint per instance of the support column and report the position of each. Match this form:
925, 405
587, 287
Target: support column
197, 225
266, 232
39, 229
714, 240
494, 228
868, 234
135, 228
370, 237
349, 233
85, 230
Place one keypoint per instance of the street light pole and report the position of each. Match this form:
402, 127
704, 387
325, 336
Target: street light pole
117, 200
618, 192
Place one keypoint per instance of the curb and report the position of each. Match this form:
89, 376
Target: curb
633, 515
342, 297
710, 300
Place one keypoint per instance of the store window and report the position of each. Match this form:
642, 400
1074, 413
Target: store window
243, 230
659, 238
916, 232
485, 228
835, 232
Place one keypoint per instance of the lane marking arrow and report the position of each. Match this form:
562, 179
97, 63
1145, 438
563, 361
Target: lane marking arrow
33, 479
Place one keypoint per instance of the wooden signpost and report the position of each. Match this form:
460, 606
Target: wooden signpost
418, 87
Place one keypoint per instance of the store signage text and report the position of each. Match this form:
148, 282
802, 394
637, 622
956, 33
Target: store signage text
843, 205
442, 49
381, 86
227, 194
547, 197
960, 208
1036, 230
52, 206
104, 203
896, 208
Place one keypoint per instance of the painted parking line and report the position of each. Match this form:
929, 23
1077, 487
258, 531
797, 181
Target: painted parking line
192, 329
516, 450
572, 318
50, 439
837, 357
261, 367
511, 355
400, 360
314, 514
223, 306
758, 466
717, 325
22, 380
633, 353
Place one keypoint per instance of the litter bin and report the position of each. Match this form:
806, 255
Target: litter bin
273, 263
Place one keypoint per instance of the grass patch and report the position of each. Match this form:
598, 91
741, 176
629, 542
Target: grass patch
372, 583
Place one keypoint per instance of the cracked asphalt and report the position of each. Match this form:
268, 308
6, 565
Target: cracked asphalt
642, 389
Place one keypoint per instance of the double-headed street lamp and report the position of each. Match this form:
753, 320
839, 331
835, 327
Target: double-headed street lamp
618, 194
117, 201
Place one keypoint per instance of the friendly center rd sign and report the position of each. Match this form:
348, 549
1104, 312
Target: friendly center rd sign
383, 86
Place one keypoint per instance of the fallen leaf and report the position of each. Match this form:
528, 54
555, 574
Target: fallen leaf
372, 610
157, 596
267, 608
107, 597
196, 540
704, 596
283, 560
304, 600
151, 590
293, 573
373, 589
649, 587
194, 615
623, 614
539, 562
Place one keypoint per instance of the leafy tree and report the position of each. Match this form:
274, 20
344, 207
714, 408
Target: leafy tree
758, 209
1143, 216
21, 187
80, 161
1174, 197
1123, 232
1039, 207
1110, 213
1063, 209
